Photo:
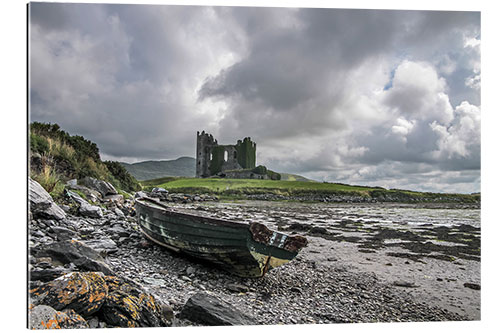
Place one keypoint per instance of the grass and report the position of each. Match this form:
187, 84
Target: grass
220, 185
63, 156
50, 181
239, 188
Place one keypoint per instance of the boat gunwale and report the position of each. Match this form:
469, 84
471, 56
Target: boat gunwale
202, 219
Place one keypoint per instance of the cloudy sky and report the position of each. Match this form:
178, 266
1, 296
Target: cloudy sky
371, 97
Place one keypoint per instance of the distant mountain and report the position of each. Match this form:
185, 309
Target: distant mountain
181, 167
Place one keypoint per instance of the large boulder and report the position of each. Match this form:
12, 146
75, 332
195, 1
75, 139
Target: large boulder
206, 309
92, 195
85, 208
83, 292
128, 305
76, 252
46, 317
101, 186
41, 203
47, 274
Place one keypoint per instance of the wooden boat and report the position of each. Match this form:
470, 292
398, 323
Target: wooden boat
244, 249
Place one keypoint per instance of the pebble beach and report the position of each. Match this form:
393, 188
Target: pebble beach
340, 277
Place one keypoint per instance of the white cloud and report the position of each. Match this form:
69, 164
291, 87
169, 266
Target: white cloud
403, 127
463, 136
418, 92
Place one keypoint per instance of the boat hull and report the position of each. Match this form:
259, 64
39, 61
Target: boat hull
246, 250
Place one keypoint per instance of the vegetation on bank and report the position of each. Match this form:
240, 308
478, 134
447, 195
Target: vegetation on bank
56, 157
240, 188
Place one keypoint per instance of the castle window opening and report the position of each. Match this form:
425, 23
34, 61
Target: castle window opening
225, 155
235, 154
210, 156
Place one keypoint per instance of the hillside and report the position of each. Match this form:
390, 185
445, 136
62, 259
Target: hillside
293, 177
181, 167
56, 157
301, 191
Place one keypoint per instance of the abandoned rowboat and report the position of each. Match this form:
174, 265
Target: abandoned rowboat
244, 249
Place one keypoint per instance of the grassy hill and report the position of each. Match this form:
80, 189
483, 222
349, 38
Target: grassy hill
243, 188
293, 177
56, 156
223, 184
181, 167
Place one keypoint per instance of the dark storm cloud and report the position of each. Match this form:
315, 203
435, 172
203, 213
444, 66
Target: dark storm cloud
351, 95
122, 76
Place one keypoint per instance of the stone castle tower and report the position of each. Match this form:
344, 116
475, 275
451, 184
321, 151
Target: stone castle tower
212, 158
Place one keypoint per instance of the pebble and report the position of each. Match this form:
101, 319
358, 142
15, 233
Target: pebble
300, 292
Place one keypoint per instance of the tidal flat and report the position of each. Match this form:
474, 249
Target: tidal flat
363, 263
376, 262
429, 250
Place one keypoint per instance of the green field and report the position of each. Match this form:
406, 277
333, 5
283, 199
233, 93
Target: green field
218, 185
240, 188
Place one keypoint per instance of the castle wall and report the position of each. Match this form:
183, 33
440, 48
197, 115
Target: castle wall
212, 158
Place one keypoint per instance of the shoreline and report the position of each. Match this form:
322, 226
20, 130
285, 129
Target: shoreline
333, 280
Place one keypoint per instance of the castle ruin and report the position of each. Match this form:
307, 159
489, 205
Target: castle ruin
214, 159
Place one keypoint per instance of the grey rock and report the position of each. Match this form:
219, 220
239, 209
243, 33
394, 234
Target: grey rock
140, 194
46, 317
103, 245
63, 233
167, 311
155, 282
405, 284
101, 186
42, 317
236, 287
46, 275
85, 209
41, 203
159, 190
115, 199
72, 182
474, 286
37, 233
73, 251
119, 213
89, 210
206, 309
93, 322
117, 229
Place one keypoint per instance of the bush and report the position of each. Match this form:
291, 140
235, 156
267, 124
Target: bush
273, 175
38, 144
49, 180
84, 148
126, 181
260, 170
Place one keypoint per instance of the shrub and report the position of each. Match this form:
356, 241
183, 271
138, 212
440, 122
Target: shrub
260, 170
49, 180
273, 175
126, 181
38, 144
